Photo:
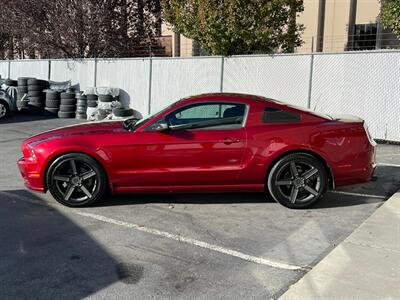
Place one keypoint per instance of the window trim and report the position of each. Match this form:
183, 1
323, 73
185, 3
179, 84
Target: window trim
244, 121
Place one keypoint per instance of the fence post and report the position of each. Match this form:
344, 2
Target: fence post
221, 87
49, 71
310, 81
9, 69
150, 83
95, 72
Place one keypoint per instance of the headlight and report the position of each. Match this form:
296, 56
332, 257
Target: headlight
31, 152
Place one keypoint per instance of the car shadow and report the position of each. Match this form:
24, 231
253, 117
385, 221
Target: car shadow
20, 117
330, 200
46, 255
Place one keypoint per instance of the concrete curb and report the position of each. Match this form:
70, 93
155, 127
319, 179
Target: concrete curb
366, 265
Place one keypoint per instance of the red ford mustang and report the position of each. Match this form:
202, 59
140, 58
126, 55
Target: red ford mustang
212, 142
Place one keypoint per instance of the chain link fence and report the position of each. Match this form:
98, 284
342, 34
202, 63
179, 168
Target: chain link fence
362, 83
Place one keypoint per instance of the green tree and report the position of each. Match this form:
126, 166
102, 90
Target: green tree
229, 27
390, 16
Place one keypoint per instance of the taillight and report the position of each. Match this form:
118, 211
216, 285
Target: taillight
371, 140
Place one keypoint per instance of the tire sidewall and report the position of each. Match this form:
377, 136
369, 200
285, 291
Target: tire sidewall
301, 157
101, 176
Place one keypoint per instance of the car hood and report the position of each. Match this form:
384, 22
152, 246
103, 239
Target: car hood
91, 128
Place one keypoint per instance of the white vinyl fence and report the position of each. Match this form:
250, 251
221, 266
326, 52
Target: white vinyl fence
366, 84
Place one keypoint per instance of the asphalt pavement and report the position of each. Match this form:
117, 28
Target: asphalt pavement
220, 246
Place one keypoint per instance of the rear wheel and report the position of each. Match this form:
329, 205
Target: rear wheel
76, 180
297, 180
4, 109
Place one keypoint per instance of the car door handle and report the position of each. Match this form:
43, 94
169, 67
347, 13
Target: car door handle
229, 140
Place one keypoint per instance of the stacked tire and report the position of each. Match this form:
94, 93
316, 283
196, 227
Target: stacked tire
81, 107
22, 90
10, 82
52, 103
67, 105
36, 96
91, 100
123, 112
105, 107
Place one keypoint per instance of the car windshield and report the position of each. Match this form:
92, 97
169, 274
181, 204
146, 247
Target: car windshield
133, 123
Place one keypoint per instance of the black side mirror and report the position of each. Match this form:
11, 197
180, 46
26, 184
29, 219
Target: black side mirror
161, 127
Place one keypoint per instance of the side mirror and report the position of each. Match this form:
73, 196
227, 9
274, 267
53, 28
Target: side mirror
161, 127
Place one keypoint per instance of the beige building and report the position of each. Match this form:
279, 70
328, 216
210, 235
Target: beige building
327, 24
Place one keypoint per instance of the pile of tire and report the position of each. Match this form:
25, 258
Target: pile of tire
10, 82
123, 112
52, 103
67, 106
81, 106
22, 90
36, 95
105, 107
91, 100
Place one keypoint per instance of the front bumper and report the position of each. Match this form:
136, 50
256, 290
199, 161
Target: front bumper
31, 174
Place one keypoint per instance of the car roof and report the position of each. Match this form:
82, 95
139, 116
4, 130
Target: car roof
233, 95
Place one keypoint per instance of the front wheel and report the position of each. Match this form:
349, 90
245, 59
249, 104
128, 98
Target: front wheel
297, 180
76, 180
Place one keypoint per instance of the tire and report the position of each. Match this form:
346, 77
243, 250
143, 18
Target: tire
81, 117
23, 81
81, 110
52, 103
81, 97
35, 88
68, 96
66, 114
61, 169
68, 101
22, 89
36, 94
309, 189
92, 97
51, 112
19, 96
122, 112
106, 98
32, 81
4, 109
80, 102
92, 103
67, 108
52, 95
37, 99
11, 82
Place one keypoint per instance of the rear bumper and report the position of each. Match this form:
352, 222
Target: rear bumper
31, 174
359, 170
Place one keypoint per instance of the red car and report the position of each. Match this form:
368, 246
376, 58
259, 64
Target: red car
208, 143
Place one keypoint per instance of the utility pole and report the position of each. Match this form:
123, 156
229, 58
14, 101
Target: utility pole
321, 26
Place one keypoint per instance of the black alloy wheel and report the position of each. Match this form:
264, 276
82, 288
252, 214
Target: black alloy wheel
297, 181
76, 180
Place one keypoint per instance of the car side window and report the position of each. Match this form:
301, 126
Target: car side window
198, 113
206, 116
277, 115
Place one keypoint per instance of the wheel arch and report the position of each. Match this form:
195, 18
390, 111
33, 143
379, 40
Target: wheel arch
59, 154
5, 102
331, 180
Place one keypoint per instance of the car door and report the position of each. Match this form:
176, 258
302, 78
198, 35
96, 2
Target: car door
209, 155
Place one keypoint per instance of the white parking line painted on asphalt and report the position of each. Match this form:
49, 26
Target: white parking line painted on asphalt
176, 237
358, 194
388, 165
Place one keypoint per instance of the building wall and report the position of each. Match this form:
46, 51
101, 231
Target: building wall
336, 24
